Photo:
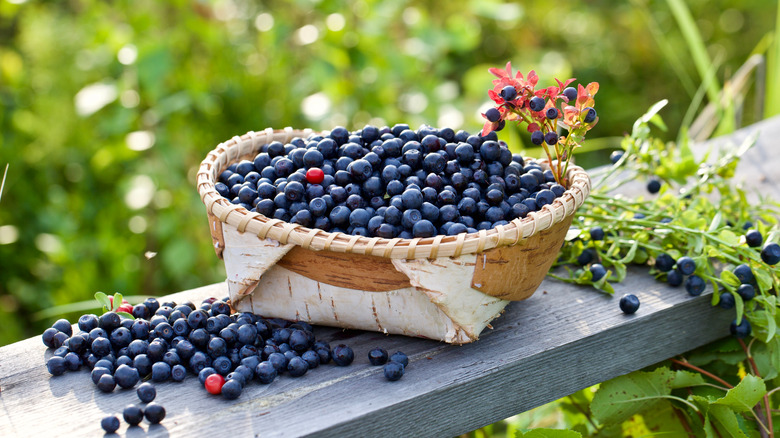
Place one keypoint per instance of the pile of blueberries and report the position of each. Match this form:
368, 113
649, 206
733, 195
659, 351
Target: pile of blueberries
166, 341
390, 182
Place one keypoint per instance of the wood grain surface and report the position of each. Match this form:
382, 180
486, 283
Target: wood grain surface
562, 339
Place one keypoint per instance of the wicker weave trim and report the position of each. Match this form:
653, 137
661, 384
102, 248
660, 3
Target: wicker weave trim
248, 145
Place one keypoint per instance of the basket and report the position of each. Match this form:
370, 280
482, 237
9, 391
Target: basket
446, 288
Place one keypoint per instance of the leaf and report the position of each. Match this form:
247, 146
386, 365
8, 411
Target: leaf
729, 278
715, 222
764, 279
117, 300
618, 399
572, 234
663, 420
729, 238
549, 433
767, 358
726, 420
103, 300
684, 379
745, 395
126, 315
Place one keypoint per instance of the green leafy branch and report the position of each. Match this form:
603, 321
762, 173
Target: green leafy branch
112, 304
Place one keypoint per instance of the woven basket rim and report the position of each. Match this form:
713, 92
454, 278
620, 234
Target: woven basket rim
248, 145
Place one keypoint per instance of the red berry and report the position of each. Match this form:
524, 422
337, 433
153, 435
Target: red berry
125, 308
214, 384
315, 175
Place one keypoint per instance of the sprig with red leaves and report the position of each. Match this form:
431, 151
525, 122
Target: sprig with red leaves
544, 111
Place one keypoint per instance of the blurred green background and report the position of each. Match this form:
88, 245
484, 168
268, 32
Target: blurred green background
109, 107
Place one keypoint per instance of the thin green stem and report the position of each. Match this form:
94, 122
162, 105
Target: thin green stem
671, 397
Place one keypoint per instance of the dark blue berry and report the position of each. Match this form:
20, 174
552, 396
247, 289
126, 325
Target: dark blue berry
653, 186
694, 285
674, 278
586, 256
393, 371
770, 254
742, 330
110, 424
64, 326
146, 392
537, 137
597, 272
154, 413
133, 415
106, 383
377, 356
311, 358
56, 365
232, 388
551, 113
297, 367
597, 233
343, 355
126, 376
744, 274
664, 262
615, 156
746, 291
109, 321
726, 300
754, 238
551, 138
492, 115
589, 115
629, 304
570, 93
401, 358
161, 372
686, 265
536, 103
87, 322
508, 93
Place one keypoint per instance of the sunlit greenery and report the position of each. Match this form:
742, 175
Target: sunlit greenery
109, 107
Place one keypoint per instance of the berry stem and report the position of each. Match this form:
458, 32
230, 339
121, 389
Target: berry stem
702, 371
767, 408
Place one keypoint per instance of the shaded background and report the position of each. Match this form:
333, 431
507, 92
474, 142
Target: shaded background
109, 107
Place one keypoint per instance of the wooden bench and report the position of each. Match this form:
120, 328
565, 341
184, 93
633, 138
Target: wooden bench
559, 341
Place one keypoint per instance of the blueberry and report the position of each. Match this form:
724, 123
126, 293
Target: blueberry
597, 233
400, 358
312, 358
615, 156
726, 300
109, 321
393, 371
551, 138
742, 330
537, 138
377, 356
551, 113
536, 103
653, 186
222, 365
597, 271
231, 390
265, 372
589, 115
126, 376
492, 115
746, 291
64, 326
586, 256
106, 383
154, 413
297, 367
686, 265
754, 238
674, 278
97, 372
664, 262
56, 365
770, 254
110, 424
279, 361
423, 228
133, 415
629, 304
48, 337
161, 372
343, 355
744, 274
508, 93
146, 392
570, 93
694, 285
87, 322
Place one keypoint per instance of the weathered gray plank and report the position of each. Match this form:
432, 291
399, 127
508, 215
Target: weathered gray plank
562, 339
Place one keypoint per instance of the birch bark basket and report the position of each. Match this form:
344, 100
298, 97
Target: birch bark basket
446, 288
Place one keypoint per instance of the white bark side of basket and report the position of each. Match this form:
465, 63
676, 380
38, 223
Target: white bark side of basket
247, 258
447, 282
408, 311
